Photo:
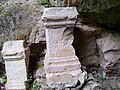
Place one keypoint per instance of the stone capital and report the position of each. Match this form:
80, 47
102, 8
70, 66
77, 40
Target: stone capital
14, 50
59, 16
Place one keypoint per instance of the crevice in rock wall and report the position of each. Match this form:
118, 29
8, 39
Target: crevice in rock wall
85, 47
37, 55
95, 56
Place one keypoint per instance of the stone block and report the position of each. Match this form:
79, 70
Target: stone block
62, 66
16, 56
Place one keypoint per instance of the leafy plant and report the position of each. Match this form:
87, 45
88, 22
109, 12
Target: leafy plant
1, 9
8, 14
46, 3
4, 79
29, 79
49, 88
36, 87
43, 2
113, 88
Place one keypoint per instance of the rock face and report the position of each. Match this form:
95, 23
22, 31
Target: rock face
110, 50
21, 20
85, 44
97, 49
16, 56
18, 21
96, 5
61, 62
91, 84
59, 3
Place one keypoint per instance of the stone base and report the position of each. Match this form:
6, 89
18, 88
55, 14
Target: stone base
15, 86
63, 71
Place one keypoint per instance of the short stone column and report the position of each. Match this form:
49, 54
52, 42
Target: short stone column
16, 56
62, 66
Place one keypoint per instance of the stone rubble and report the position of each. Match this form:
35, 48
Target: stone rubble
91, 84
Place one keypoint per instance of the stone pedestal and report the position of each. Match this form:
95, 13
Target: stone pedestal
16, 56
62, 66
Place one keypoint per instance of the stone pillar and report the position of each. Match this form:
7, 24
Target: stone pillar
62, 66
16, 56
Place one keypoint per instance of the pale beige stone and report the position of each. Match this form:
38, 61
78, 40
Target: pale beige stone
16, 56
62, 66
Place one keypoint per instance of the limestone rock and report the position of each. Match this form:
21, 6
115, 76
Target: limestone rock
85, 44
62, 66
111, 83
40, 72
21, 20
91, 84
63, 3
110, 42
38, 33
22, 1
16, 56
59, 3
41, 83
96, 6
110, 46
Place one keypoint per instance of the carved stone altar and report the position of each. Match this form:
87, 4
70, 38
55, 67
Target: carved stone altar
62, 66
16, 56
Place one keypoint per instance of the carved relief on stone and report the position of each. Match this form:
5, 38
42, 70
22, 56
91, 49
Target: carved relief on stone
62, 66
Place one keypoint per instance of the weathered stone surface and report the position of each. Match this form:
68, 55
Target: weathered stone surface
85, 44
96, 5
91, 84
21, 20
109, 46
111, 43
63, 3
111, 83
40, 72
38, 33
104, 13
16, 56
62, 67
59, 3
41, 83
23, 1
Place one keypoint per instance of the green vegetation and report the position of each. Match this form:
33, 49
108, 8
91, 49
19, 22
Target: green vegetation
8, 14
1, 9
43, 2
29, 79
113, 88
46, 3
4, 79
36, 87
49, 88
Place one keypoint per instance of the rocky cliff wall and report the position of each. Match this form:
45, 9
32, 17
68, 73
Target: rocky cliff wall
97, 37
